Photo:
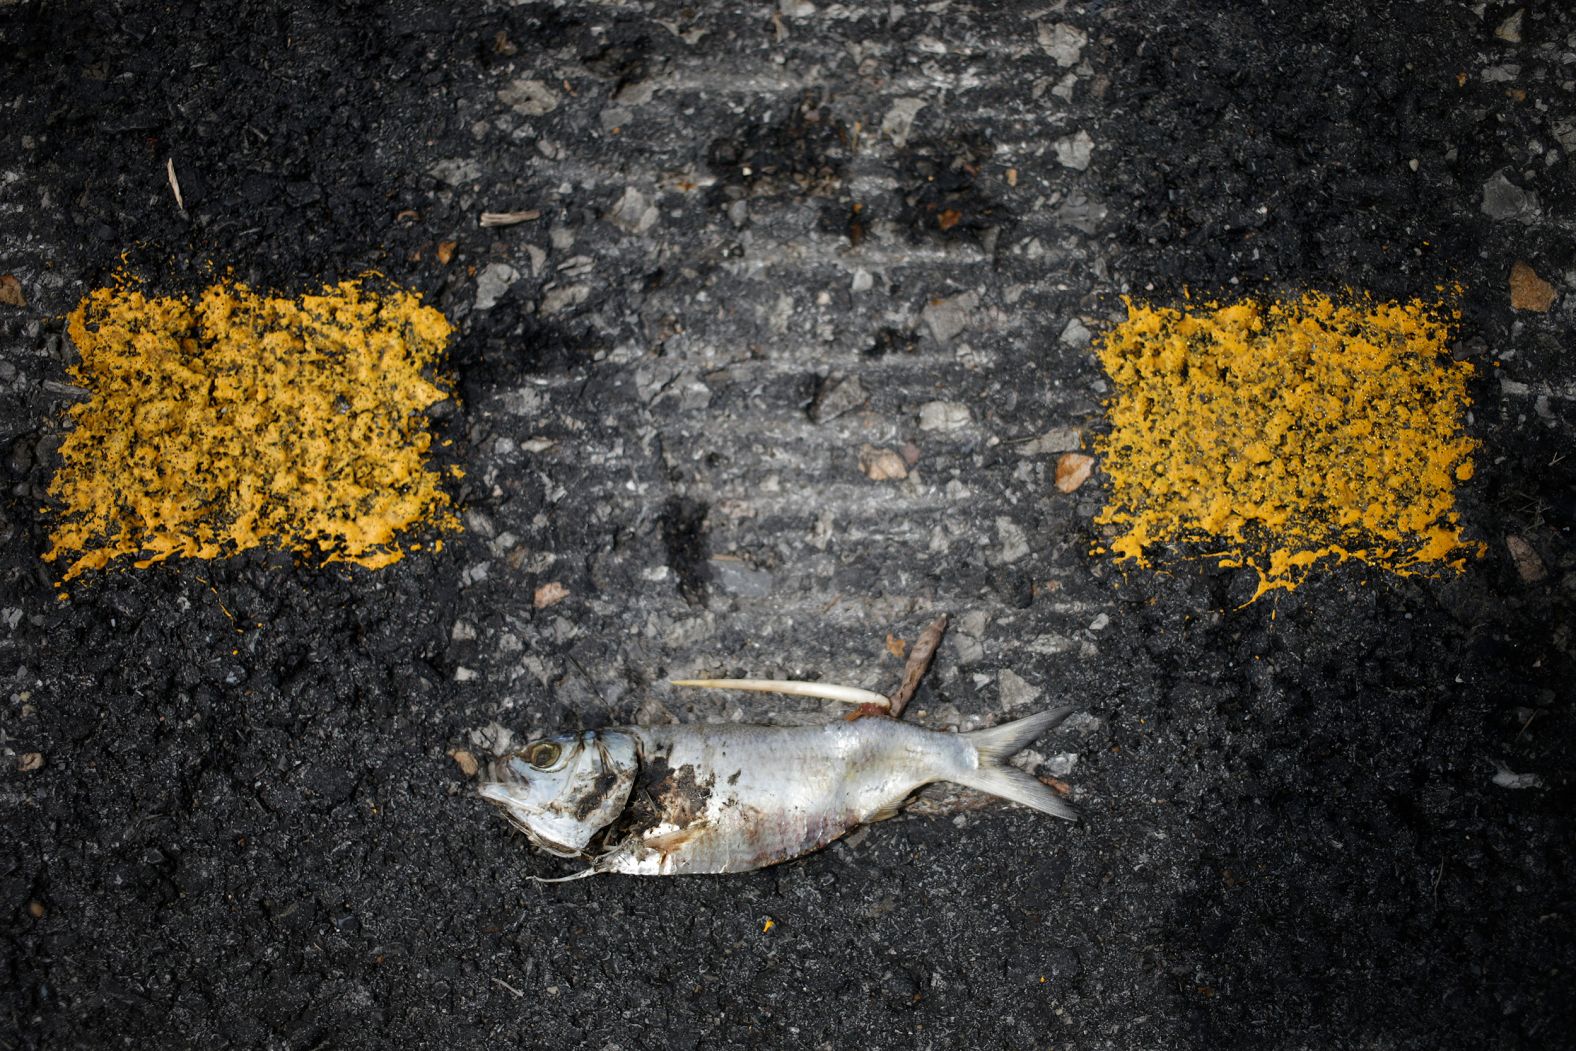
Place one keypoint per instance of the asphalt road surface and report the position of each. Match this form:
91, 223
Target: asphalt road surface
768, 238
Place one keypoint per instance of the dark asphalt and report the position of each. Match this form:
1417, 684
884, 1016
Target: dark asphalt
244, 829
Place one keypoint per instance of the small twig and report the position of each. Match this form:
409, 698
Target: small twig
509, 218
518, 994
919, 659
175, 185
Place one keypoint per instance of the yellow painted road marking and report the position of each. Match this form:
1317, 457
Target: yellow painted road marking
241, 419
1282, 434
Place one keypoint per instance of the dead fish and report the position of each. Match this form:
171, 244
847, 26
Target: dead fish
672, 800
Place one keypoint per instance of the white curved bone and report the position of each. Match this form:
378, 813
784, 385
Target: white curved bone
823, 690
793, 687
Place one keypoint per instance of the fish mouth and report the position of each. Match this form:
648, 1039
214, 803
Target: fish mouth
495, 792
498, 792
501, 785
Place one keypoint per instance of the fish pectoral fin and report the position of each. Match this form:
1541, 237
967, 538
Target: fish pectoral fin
888, 811
668, 842
582, 874
891, 810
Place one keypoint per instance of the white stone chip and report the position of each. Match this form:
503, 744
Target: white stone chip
949, 317
1075, 334
1015, 692
944, 416
533, 98
899, 120
1063, 42
633, 212
1014, 544
1503, 199
1073, 151
492, 283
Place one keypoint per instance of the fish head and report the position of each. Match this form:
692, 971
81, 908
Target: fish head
560, 791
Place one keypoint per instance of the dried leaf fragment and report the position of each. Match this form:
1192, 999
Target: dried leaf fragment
27, 762
1525, 557
882, 465
1057, 785
175, 184
446, 251
896, 646
549, 594
1528, 291
1073, 470
11, 291
919, 659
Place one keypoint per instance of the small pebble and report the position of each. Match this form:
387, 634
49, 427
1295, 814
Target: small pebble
1073, 470
1528, 291
465, 761
882, 465
1074, 151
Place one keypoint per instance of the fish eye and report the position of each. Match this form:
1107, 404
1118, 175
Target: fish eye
543, 754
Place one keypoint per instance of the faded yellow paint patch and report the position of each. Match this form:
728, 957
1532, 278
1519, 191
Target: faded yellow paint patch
240, 419
1283, 434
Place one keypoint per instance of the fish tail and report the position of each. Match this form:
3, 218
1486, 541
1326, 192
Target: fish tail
994, 745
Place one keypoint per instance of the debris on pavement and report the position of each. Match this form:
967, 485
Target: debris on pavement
881, 465
465, 761
1505, 777
549, 594
944, 416
1073, 470
494, 280
919, 659
1529, 566
489, 219
175, 185
1528, 291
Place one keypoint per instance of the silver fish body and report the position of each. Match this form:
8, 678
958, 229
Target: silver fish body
673, 800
